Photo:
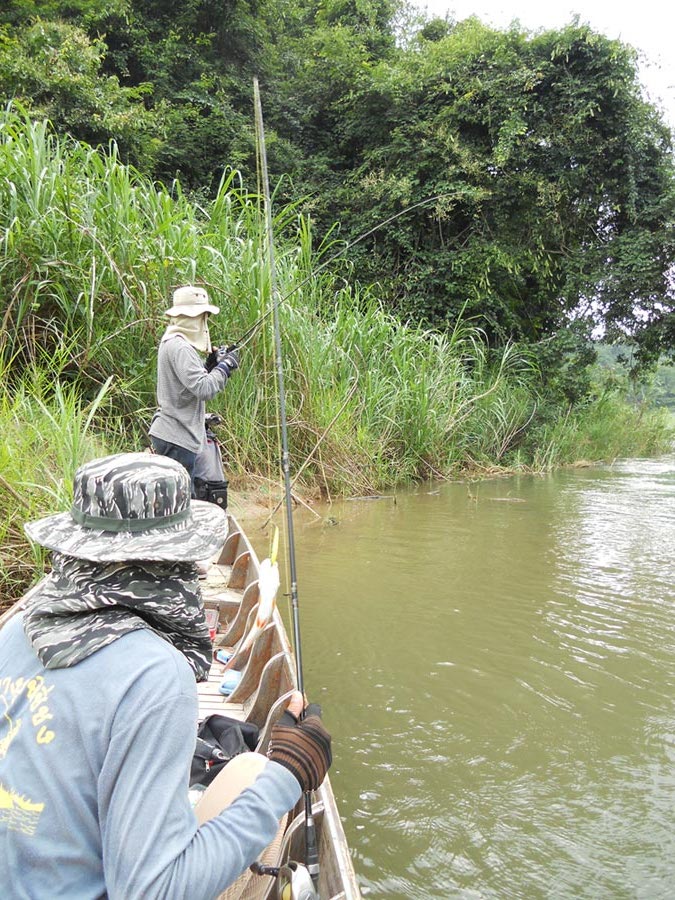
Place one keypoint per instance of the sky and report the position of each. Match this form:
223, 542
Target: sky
648, 25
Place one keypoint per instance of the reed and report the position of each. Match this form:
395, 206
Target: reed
48, 430
89, 254
603, 428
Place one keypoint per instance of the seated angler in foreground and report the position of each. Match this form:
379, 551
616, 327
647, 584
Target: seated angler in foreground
99, 704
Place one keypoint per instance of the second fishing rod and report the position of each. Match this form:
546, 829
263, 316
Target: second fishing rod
311, 848
250, 332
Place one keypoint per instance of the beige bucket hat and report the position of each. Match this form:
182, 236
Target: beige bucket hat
191, 300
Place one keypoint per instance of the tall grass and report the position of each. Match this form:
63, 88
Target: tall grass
48, 430
89, 254
604, 427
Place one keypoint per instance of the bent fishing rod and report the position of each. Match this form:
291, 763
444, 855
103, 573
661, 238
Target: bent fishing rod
249, 333
312, 853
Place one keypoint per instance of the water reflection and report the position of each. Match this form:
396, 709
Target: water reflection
497, 665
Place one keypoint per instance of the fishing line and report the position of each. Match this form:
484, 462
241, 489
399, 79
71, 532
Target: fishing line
311, 849
248, 335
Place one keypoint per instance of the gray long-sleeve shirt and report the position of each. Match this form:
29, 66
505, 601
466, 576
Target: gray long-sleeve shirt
183, 387
94, 763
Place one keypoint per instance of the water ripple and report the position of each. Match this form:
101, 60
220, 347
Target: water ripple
500, 682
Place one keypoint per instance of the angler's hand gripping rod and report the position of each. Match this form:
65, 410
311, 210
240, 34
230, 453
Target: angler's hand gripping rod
312, 859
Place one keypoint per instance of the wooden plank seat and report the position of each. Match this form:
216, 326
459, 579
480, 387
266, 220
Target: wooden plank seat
227, 602
212, 701
208, 692
218, 705
252, 661
217, 578
238, 625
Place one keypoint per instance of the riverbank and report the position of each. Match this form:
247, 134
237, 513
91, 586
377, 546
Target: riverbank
51, 425
254, 507
254, 501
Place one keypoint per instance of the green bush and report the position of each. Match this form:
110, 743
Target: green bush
89, 254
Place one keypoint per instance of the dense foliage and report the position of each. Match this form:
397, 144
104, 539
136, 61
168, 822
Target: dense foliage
553, 176
555, 181
89, 252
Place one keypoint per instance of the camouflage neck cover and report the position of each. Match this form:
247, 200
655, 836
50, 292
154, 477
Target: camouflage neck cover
83, 606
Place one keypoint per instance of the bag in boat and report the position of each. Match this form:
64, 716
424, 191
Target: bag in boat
208, 471
219, 739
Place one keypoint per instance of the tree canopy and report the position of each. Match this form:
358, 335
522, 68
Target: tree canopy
549, 177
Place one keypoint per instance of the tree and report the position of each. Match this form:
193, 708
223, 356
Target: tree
554, 179
190, 63
54, 70
550, 180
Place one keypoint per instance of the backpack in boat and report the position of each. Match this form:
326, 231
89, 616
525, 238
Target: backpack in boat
219, 739
208, 477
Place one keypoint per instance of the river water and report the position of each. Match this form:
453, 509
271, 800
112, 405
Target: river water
496, 661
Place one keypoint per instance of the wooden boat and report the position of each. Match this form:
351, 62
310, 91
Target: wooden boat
268, 677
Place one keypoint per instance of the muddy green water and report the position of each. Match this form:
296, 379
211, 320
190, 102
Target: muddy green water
496, 662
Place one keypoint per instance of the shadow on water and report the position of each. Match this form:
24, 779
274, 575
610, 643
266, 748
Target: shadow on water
496, 663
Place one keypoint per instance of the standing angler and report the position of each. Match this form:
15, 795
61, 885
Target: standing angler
184, 383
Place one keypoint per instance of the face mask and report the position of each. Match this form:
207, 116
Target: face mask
83, 606
195, 330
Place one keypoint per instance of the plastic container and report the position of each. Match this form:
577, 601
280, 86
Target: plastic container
195, 794
229, 682
212, 622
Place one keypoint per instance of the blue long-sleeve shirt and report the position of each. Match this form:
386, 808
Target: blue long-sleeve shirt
94, 763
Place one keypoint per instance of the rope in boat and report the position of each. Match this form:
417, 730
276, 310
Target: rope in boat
311, 849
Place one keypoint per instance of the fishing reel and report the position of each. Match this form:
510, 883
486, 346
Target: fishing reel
211, 360
293, 880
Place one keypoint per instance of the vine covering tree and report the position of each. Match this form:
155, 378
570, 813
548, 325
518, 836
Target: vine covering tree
554, 176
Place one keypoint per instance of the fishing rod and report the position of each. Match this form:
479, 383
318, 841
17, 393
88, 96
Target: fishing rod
311, 849
248, 334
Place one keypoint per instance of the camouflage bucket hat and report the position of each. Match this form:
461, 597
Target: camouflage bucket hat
133, 506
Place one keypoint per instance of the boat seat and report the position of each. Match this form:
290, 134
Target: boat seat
226, 602
277, 678
238, 626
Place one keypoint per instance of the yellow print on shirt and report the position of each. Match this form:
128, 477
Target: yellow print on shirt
12, 731
37, 692
17, 812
